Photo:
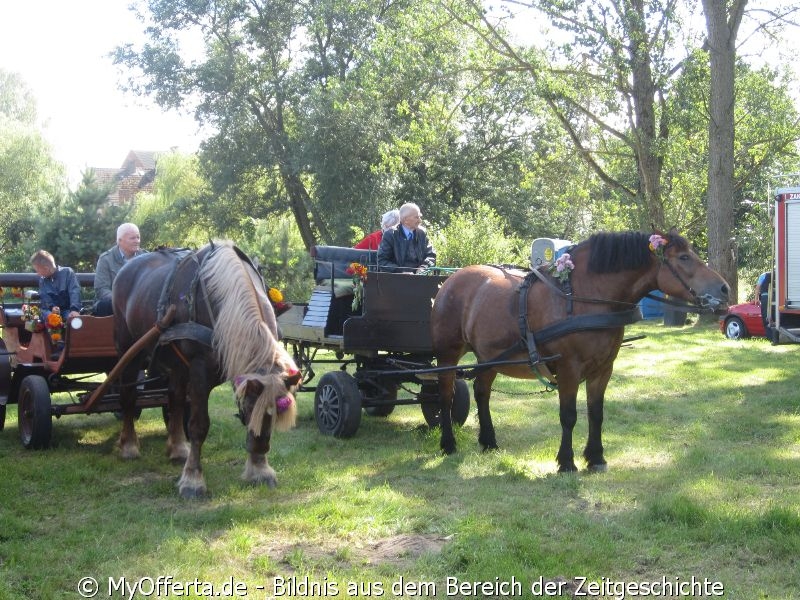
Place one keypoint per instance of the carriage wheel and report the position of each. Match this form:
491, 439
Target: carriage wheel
35, 414
5, 381
387, 403
432, 411
337, 404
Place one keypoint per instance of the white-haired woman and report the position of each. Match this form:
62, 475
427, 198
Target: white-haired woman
373, 240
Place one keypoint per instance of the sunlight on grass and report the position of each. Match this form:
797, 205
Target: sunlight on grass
701, 435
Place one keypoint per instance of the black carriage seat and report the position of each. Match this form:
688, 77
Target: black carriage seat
331, 301
331, 262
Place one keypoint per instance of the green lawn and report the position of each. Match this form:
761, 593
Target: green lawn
702, 437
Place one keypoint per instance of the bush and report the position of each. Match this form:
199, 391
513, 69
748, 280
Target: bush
477, 237
276, 245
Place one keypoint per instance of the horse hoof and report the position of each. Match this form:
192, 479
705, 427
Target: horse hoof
270, 482
567, 469
490, 448
129, 453
598, 468
193, 493
448, 450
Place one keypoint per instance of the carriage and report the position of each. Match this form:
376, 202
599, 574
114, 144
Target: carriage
382, 346
33, 367
193, 319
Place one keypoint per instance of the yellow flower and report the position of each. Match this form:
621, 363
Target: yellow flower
275, 295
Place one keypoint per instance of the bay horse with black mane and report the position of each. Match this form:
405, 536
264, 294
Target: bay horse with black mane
223, 329
574, 329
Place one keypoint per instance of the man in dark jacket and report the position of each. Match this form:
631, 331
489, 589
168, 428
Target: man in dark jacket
405, 248
110, 262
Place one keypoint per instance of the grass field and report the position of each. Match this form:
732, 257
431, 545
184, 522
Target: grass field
702, 437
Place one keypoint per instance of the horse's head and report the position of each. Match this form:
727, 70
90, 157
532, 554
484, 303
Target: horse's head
266, 399
684, 275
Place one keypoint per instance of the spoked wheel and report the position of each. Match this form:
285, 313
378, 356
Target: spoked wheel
337, 404
432, 410
5, 381
35, 417
386, 407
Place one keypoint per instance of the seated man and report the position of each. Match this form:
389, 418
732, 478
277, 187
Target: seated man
405, 248
58, 286
110, 262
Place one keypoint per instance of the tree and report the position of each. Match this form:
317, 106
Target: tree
80, 227
30, 179
338, 111
607, 85
722, 23
179, 211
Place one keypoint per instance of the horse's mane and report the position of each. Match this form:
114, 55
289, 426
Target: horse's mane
622, 251
242, 339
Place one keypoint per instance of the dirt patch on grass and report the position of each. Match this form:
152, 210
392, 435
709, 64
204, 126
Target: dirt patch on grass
396, 550
402, 548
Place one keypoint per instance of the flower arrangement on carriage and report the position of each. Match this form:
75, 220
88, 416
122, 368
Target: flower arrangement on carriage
359, 273
55, 326
32, 316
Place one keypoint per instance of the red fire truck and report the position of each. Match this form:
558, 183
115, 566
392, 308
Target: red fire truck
785, 291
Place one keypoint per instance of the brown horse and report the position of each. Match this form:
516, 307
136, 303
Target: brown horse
224, 328
577, 332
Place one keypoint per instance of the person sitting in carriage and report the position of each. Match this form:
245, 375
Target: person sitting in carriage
405, 248
110, 262
58, 286
373, 240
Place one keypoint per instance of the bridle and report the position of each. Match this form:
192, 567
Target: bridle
703, 303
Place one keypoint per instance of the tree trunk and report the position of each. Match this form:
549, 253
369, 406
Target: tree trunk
298, 202
720, 202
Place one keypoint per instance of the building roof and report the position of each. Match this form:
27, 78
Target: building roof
136, 175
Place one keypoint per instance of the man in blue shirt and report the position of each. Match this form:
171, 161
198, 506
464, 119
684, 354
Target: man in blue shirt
58, 286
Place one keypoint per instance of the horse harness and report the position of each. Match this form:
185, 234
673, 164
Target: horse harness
528, 339
191, 329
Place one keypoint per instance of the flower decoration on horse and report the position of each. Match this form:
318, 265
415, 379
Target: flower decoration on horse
32, 316
562, 268
657, 244
359, 273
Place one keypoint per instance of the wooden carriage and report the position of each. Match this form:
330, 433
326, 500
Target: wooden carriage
383, 346
33, 368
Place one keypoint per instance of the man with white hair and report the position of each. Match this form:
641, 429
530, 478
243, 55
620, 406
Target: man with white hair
110, 262
405, 248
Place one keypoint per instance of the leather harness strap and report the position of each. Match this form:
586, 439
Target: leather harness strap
526, 339
572, 324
